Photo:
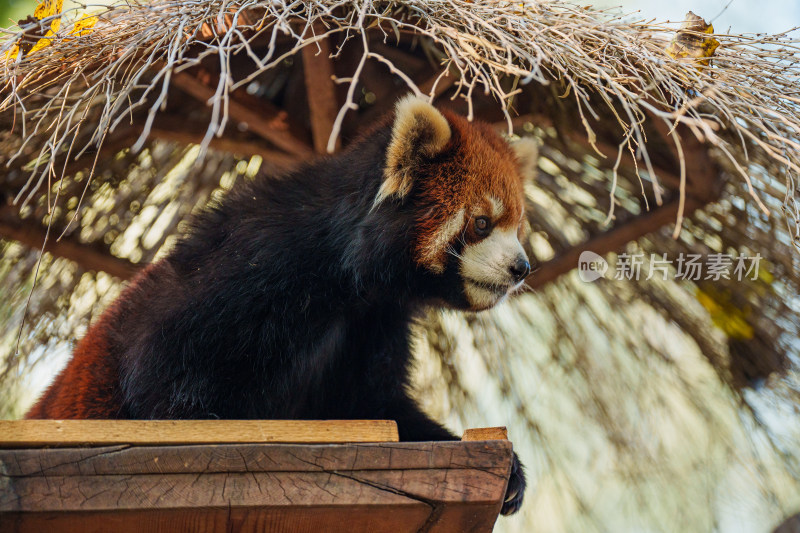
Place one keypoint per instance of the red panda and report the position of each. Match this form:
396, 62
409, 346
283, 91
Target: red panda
293, 297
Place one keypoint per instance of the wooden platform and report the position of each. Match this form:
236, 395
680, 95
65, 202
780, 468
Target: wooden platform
367, 486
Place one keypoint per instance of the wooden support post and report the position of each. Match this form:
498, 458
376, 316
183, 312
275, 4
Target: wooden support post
320, 91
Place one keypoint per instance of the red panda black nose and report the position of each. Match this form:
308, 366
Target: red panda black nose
520, 269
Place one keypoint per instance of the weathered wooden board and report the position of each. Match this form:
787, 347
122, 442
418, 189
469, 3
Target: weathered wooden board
392, 487
495, 433
34, 433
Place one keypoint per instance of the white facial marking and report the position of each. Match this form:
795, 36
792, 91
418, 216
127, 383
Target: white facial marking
480, 298
497, 207
433, 255
485, 267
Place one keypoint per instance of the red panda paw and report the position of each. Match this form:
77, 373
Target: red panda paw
515, 490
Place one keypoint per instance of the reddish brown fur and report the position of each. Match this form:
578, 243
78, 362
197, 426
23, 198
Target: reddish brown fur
88, 387
490, 165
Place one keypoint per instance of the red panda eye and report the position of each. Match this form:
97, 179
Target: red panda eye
482, 226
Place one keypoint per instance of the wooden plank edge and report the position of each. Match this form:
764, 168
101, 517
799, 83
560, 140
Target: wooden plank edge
39, 433
493, 433
491, 455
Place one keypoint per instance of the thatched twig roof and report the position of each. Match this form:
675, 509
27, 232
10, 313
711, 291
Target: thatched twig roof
746, 106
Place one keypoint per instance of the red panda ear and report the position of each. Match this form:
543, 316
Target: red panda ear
419, 132
527, 151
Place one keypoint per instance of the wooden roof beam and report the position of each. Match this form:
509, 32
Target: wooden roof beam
702, 174
167, 129
612, 240
323, 105
260, 116
87, 256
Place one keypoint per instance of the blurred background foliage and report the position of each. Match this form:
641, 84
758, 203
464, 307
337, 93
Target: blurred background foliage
13, 10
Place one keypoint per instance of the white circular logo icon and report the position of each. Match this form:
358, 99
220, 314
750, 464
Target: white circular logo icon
591, 266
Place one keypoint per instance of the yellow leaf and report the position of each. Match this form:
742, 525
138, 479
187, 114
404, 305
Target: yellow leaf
12, 54
32, 40
690, 42
46, 40
725, 314
83, 26
49, 8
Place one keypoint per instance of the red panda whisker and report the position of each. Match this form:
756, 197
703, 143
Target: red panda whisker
452, 251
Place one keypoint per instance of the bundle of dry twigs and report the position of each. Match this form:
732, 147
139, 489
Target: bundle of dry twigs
745, 104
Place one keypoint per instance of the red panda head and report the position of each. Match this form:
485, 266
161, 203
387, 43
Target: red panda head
466, 184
